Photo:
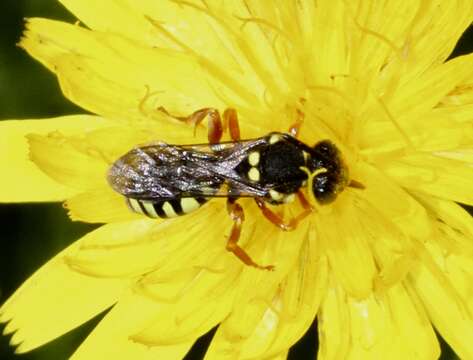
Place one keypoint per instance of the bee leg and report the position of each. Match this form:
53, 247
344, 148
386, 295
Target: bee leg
278, 220
230, 119
237, 215
215, 127
304, 202
294, 128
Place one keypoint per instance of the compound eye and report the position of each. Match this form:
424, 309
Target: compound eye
326, 149
324, 188
327, 185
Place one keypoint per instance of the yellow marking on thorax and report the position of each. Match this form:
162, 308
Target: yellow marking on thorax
274, 138
253, 158
253, 174
276, 195
189, 204
168, 210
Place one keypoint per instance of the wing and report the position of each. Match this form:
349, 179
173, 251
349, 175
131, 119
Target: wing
163, 171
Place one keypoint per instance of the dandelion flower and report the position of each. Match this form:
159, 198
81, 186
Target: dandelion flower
380, 267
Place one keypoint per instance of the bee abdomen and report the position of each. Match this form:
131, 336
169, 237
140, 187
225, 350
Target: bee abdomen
165, 209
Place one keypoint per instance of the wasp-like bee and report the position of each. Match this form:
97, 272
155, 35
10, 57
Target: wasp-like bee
162, 180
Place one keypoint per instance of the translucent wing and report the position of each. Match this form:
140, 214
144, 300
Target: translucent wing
162, 172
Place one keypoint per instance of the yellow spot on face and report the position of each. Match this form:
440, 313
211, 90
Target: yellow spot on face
274, 138
276, 195
253, 174
168, 210
189, 204
253, 158
135, 206
150, 209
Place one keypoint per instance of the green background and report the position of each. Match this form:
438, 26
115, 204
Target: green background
33, 233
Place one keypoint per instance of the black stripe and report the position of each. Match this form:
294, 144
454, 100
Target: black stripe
143, 208
176, 205
201, 200
128, 203
158, 207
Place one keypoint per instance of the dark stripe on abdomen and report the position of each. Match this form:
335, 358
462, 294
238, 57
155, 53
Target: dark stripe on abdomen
166, 209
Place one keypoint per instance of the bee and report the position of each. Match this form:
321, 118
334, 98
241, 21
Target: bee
165, 181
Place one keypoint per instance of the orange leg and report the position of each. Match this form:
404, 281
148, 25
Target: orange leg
215, 125
278, 220
230, 119
304, 203
294, 128
236, 213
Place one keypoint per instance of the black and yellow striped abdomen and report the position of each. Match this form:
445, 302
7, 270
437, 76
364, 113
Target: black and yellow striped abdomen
165, 209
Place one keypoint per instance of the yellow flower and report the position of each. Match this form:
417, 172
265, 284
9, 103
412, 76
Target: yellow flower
381, 267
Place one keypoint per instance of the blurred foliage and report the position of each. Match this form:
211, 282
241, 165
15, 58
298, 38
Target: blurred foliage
32, 234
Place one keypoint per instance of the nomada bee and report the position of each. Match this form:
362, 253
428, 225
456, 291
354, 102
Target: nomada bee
163, 180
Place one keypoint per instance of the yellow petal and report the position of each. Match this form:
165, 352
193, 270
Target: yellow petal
419, 96
136, 247
376, 37
257, 288
22, 180
282, 356
111, 338
382, 140
333, 322
330, 55
453, 221
165, 311
171, 25
447, 304
93, 76
406, 37
270, 315
55, 300
435, 30
101, 205
210, 296
295, 307
118, 13
225, 42
188, 304
434, 175
392, 219
392, 125
345, 240
465, 155
389, 326
68, 160
160, 312
457, 105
